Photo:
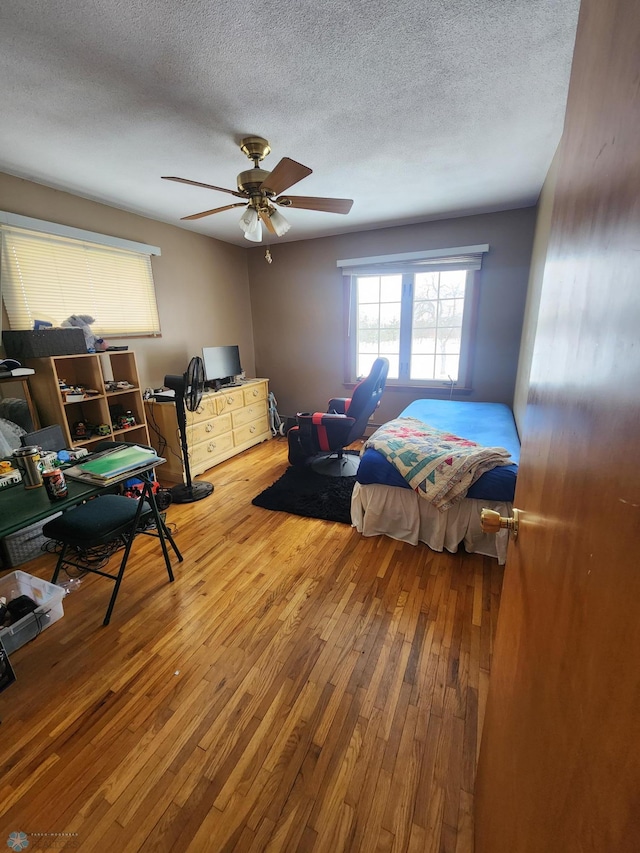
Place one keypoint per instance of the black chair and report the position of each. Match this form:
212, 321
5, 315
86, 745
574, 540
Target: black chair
319, 439
104, 520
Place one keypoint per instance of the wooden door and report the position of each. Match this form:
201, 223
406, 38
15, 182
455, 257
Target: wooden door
559, 767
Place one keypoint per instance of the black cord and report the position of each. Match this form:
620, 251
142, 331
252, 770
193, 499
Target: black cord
162, 442
93, 558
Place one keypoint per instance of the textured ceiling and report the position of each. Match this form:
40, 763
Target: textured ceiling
416, 109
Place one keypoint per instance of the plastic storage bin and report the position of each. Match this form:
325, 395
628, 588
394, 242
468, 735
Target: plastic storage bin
47, 596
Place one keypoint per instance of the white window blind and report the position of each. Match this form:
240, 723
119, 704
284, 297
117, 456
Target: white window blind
48, 276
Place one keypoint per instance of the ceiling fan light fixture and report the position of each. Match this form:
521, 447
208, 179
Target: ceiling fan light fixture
251, 225
280, 224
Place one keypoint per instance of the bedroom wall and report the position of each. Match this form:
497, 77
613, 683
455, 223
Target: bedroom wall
538, 258
298, 313
202, 284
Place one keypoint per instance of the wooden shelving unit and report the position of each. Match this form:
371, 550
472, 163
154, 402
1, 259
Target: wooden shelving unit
91, 371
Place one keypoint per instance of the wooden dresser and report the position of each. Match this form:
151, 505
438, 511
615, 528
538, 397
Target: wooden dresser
225, 423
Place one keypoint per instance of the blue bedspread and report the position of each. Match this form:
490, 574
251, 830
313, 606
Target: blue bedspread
490, 424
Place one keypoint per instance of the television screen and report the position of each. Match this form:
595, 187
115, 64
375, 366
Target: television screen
221, 364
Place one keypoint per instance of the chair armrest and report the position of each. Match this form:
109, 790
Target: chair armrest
323, 418
339, 405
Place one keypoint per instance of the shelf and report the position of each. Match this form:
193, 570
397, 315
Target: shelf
93, 440
84, 400
89, 371
123, 391
128, 430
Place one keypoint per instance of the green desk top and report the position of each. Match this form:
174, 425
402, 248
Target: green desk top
20, 507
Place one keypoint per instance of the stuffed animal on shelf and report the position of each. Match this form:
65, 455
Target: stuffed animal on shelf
84, 321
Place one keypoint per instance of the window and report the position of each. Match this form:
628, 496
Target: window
418, 312
50, 272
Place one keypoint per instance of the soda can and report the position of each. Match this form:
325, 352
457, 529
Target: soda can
55, 484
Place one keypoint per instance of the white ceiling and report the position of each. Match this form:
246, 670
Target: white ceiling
416, 109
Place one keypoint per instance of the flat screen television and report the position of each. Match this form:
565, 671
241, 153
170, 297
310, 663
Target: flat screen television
221, 365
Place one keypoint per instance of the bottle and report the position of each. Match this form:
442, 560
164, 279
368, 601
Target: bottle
28, 462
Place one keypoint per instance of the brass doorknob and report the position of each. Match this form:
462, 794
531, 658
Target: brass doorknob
492, 522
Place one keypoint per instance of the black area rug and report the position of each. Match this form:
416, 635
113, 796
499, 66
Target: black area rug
301, 491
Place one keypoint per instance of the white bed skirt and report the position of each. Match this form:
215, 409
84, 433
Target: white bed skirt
402, 514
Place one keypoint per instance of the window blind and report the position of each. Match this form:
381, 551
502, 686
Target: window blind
50, 277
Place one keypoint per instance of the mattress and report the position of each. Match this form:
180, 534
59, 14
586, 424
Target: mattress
489, 424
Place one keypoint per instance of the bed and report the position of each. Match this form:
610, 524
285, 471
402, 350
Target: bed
383, 502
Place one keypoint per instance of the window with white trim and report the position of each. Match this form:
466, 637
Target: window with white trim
416, 310
50, 272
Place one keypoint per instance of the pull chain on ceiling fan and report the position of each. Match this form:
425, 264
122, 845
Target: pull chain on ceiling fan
262, 190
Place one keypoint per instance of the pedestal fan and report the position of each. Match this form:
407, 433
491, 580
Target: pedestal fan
188, 390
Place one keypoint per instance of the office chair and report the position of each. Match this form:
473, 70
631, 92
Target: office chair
319, 439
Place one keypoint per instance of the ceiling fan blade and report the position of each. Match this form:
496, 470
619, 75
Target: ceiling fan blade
287, 173
267, 221
206, 186
306, 202
215, 210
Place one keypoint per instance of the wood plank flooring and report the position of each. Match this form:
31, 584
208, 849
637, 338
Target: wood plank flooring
298, 688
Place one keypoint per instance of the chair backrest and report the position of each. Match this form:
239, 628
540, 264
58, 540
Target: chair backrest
366, 397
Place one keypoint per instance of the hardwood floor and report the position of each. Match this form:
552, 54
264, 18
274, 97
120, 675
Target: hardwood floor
298, 688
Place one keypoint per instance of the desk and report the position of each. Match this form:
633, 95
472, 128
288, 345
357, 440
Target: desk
20, 507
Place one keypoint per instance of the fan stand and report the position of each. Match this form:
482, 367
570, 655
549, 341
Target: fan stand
188, 492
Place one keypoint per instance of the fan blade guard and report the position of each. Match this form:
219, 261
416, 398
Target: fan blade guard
194, 383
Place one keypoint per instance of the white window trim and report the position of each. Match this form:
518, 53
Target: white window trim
464, 254
14, 220
461, 257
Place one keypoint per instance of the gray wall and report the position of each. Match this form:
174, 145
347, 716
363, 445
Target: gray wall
538, 258
298, 307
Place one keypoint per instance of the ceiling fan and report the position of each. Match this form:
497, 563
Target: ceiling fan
262, 190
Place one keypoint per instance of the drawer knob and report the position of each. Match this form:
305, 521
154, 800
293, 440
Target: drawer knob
200, 410
208, 428
211, 447
255, 392
252, 429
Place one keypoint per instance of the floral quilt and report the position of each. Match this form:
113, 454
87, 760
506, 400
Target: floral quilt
438, 465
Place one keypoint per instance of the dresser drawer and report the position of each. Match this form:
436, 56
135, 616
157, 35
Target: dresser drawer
205, 411
203, 430
204, 455
255, 393
249, 413
229, 401
252, 430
